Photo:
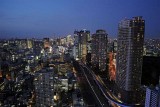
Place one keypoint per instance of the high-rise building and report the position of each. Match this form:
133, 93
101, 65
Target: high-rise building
44, 88
99, 49
152, 97
29, 43
76, 45
80, 44
130, 54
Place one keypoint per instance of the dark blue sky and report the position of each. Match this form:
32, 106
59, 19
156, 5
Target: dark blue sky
45, 18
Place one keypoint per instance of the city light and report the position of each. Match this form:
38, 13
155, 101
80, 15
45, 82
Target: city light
79, 54
112, 67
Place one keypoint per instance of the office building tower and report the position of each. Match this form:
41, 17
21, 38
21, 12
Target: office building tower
152, 97
130, 54
44, 88
81, 42
76, 45
99, 49
29, 43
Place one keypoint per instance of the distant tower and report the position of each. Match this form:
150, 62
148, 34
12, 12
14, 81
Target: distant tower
76, 45
99, 49
130, 54
152, 97
29, 43
81, 43
85, 36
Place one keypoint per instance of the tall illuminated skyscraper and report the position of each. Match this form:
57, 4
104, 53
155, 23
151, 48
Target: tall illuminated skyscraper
81, 43
99, 49
130, 54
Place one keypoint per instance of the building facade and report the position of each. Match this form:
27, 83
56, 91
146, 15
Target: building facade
152, 97
130, 54
81, 39
99, 49
44, 88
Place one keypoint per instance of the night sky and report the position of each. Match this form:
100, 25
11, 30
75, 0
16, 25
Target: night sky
46, 18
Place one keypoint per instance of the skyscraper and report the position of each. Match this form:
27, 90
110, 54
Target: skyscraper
130, 54
99, 49
81, 42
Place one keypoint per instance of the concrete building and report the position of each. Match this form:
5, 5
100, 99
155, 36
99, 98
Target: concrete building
44, 87
99, 49
129, 55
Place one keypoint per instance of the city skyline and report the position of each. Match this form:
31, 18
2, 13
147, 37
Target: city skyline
27, 19
86, 70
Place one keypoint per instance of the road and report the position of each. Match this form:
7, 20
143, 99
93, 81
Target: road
100, 100
102, 87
